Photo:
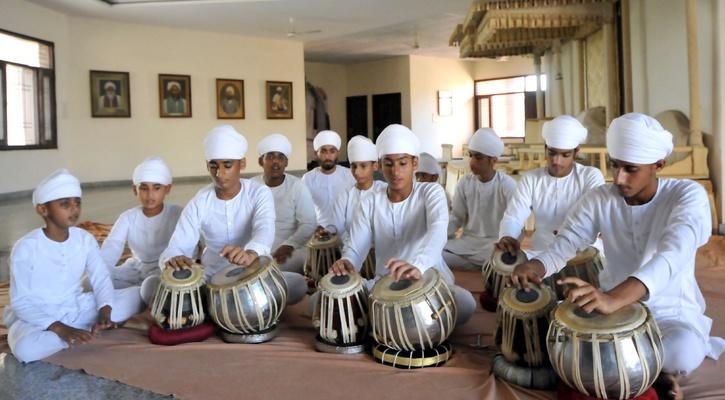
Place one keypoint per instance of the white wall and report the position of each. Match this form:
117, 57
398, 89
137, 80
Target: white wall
486, 68
333, 79
428, 75
102, 149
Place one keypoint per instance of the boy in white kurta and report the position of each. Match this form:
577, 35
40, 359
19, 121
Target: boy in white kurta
295, 211
234, 217
363, 164
651, 229
48, 309
551, 191
146, 228
406, 223
329, 180
479, 203
429, 171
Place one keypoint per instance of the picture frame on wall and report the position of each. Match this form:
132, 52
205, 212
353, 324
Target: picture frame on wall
229, 98
110, 94
174, 96
279, 99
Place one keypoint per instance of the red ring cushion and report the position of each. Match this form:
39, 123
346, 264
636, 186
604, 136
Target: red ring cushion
488, 302
178, 336
564, 392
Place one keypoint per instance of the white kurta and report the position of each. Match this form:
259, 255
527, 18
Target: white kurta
654, 242
340, 218
550, 199
326, 188
146, 237
247, 220
295, 221
478, 207
45, 287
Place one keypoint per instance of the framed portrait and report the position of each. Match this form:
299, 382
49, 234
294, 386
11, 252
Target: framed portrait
174, 96
110, 94
229, 99
279, 100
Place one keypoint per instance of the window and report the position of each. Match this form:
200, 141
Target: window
27, 93
504, 104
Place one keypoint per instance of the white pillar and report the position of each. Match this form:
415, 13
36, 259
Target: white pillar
693, 67
539, 95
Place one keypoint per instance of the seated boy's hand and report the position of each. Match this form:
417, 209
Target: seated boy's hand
528, 273
282, 253
322, 233
70, 335
236, 255
179, 262
509, 245
103, 321
342, 267
401, 269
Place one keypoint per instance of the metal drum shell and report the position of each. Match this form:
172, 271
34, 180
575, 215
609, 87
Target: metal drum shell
421, 320
618, 365
251, 305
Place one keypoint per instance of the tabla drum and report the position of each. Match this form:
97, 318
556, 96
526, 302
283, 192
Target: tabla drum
615, 356
586, 265
368, 267
523, 321
496, 272
246, 302
412, 315
323, 252
341, 314
178, 302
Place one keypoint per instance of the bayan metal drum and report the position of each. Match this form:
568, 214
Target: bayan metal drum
586, 265
496, 272
178, 302
247, 301
615, 356
323, 253
341, 314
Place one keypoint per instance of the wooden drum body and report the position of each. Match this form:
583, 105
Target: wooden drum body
412, 315
587, 265
341, 314
498, 269
247, 301
616, 356
178, 302
323, 253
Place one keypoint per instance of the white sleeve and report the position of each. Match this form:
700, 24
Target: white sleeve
688, 227
306, 218
115, 243
517, 210
459, 213
185, 238
262, 222
23, 300
593, 179
436, 215
336, 220
98, 274
360, 233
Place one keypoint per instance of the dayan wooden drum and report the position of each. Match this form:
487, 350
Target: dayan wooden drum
323, 253
616, 356
178, 302
368, 267
247, 301
586, 265
341, 314
496, 272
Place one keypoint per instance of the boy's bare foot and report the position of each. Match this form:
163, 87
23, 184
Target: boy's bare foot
668, 387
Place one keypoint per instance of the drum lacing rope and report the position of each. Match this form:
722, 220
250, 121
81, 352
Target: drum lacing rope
159, 299
625, 385
576, 371
197, 309
597, 371
559, 364
645, 367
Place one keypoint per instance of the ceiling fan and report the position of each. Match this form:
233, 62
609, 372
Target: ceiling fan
293, 33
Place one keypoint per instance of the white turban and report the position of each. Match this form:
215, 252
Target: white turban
224, 143
486, 141
564, 132
173, 83
152, 170
639, 139
360, 148
59, 185
275, 142
325, 138
109, 84
427, 164
397, 139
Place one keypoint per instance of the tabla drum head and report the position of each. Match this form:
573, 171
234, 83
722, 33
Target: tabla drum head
323, 242
524, 302
234, 274
341, 285
387, 290
625, 319
181, 278
583, 256
504, 262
